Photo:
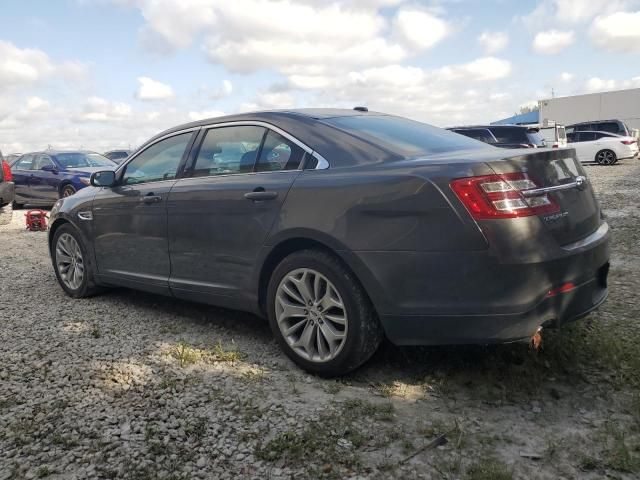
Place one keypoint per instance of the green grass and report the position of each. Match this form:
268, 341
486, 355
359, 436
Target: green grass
489, 469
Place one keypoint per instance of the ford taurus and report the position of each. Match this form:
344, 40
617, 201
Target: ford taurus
343, 227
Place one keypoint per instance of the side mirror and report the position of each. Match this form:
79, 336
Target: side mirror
49, 168
104, 178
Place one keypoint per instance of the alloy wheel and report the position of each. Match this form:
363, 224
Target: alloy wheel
311, 315
69, 261
606, 157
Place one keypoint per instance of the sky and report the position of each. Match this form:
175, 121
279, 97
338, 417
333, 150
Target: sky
103, 74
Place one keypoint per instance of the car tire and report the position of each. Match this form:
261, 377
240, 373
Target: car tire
336, 297
16, 206
606, 157
67, 190
72, 264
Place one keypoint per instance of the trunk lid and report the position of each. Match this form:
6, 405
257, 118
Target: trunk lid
579, 213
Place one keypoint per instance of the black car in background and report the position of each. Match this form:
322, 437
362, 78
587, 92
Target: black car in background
503, 136
6, 183
612, 126
342, 227
117, 156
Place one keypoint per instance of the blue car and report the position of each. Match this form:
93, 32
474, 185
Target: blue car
41, 178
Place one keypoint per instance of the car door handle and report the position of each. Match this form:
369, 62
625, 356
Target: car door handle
258, 195
151, 198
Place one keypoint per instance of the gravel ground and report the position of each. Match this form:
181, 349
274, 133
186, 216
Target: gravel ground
131, 385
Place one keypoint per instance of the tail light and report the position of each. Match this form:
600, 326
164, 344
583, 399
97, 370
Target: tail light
6, 171
500, 196
628, 142
567, 287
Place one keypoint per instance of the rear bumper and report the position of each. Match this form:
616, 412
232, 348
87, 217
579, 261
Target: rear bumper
443, 298
497, 328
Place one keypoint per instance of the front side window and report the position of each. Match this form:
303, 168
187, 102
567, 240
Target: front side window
279, 153
42, 161
158, 162
228, 150
587, 137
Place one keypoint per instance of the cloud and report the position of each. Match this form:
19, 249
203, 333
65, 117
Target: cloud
566, 77
572, 12
150, 89
597, 84
201, 115
552, 42
420, 29
98, 109
617, 32
37, 104
493, 42
19, 66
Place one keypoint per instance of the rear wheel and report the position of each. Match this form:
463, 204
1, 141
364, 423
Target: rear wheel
71, 263
320, 315
17, 205
67, 191
606, 157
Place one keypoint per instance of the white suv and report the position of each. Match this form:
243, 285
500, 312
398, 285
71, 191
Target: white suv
603, 148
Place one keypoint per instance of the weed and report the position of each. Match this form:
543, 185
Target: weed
358, 408
221, 354
332, 387
95, 331
489, 469
43, 471
254, 375
185, 354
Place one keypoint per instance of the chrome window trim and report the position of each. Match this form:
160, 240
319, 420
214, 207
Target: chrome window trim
322, 162
146, 147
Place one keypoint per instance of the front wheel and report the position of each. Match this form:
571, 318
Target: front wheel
606, 157
71, 263
67, 191
320, 315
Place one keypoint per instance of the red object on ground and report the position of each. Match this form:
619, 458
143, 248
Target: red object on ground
8, 176
36, 220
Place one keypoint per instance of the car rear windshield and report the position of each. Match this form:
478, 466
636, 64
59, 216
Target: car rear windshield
80, 160
403, 136
515, 135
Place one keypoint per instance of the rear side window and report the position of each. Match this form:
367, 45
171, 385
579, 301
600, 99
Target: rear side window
158, 162
584, 127
403, 136
24, 163
228, 150
279, 153
611, 127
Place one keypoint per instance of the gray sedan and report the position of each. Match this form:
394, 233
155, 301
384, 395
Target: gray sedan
343, 227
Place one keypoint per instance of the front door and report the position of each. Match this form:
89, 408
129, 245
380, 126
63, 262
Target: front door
44, 183
220, 217
130, 219
21, 172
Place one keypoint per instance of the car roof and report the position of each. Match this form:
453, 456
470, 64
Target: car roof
489, 126
57, 152
275, 116
598, 121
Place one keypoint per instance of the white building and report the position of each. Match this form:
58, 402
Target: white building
617, 105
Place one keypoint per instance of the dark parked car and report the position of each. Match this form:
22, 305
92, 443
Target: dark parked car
612, 126
342, 227
504, 136
117, 156
12, 157
41, 178
6, 183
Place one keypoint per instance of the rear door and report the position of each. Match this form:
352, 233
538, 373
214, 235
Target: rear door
220, 217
